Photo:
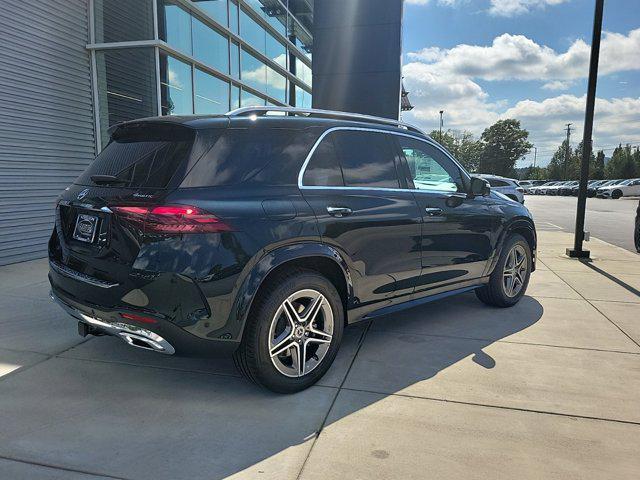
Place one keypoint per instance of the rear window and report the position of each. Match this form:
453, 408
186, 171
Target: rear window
142, 157
258, 155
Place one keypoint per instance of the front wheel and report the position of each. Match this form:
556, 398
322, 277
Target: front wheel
508, 282
616, 194
293, 332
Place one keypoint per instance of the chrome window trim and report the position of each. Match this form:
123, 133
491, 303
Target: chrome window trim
301, 186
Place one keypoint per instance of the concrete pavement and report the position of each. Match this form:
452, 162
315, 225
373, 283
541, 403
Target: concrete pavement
452, 389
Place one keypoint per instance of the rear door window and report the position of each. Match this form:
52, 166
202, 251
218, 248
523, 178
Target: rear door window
142, 157
367, 159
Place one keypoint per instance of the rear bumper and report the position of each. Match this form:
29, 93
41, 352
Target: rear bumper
162, 337
131, 334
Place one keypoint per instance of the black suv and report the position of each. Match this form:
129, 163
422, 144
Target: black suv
264, 232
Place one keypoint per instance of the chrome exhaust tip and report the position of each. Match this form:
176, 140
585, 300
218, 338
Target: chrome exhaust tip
133, 335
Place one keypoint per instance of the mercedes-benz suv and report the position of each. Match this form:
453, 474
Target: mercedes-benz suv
262, 233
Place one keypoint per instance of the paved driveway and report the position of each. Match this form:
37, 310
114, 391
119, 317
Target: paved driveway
454, 389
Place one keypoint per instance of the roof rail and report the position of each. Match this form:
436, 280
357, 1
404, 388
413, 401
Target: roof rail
261, 111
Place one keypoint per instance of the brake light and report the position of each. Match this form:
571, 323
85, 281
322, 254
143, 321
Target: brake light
175, 219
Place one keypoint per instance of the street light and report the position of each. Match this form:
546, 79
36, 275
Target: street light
441, 112
577, 250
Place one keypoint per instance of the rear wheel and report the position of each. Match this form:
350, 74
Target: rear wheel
510, 278
293, 332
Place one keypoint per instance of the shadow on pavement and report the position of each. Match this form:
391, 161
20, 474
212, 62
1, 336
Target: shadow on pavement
132, 421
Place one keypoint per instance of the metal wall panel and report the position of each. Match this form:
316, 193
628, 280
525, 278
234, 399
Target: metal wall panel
46, 119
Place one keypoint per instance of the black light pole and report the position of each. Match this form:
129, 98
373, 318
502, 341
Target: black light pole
577, 250
441, 112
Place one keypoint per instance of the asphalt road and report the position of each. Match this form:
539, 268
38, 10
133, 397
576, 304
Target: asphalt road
608, 220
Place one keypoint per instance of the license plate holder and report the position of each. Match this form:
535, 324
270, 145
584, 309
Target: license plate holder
86, 228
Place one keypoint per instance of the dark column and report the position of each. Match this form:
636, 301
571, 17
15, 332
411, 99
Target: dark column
356, 56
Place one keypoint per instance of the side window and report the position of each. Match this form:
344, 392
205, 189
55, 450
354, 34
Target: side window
494, 182
367, 159
323, 169
430, 168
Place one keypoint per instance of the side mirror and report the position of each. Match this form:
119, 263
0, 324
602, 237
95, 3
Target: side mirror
479, 187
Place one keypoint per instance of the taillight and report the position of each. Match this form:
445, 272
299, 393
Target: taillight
169, 219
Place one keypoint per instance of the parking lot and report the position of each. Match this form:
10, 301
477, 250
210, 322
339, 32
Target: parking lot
453, 389
608, 220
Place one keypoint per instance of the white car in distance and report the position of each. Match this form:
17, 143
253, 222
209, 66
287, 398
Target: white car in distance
626, 188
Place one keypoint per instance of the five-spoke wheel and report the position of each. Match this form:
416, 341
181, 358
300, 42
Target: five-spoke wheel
515, 270
300, 333
293, 332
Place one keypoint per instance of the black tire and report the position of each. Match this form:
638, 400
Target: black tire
494, 293
253, 359
616, 194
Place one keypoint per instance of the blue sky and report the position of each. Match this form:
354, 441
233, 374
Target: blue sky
481, 60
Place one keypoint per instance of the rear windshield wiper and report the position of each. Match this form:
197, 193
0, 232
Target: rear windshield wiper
107, 179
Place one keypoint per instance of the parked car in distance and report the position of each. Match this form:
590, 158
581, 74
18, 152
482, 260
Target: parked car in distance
542, 189
606, 184
527, 185
626, 188
592, 185
263, 235
555, 189
567, 187
506, 186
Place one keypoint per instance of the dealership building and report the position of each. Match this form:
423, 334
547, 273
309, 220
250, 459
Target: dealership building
69, 70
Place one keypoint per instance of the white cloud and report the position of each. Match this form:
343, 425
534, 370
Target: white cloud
416, 2
511, 8
558, 85
516, 57
448, 79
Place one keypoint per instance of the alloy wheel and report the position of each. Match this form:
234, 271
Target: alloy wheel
300, 333
515, 271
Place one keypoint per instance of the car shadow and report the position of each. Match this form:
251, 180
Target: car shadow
195, 418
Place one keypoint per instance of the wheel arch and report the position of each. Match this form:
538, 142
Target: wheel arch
313, 256
523, 226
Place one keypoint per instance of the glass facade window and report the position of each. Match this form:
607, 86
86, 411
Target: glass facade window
251, 32
276, 51
123, 20
235, 97
211, 93
303, 72
210, 47
234, 56
191, 82
303, 98
216, 9
272, 12
175, 26
233, 17
248, 99
175, 86
254, 72
126, 86
276, 85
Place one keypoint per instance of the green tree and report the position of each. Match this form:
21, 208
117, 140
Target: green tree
598, 170
555, 169
462, 145
504, 143
622, 163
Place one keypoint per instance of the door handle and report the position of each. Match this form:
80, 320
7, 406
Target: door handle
339, 211
433, 212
